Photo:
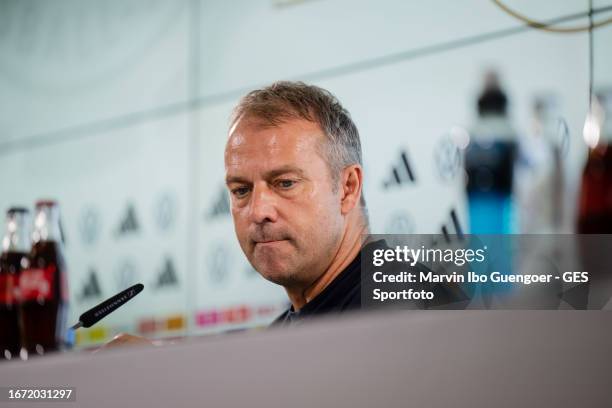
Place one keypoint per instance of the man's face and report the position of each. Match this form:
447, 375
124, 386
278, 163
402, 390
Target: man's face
286, 214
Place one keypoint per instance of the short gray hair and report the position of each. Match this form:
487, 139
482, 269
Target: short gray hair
285, 100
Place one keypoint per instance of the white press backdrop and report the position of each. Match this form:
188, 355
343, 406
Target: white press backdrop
119, 111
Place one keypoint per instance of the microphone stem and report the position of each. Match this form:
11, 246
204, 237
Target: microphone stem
76, 326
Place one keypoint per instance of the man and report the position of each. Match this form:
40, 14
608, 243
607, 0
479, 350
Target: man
294, 172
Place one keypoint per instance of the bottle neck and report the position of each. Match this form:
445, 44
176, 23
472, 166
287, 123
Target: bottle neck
46, 224
16, 237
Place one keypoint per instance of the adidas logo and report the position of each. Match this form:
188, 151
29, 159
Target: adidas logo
91, 289
400, 174
454, 227
221, 207
167, 276
129, 223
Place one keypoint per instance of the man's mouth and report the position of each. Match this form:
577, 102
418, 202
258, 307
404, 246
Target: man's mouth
262, 239
270, 241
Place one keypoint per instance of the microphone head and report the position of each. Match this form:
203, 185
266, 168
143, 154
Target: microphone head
100, 311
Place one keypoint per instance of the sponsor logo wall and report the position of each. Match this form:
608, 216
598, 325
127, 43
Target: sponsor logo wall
127, 130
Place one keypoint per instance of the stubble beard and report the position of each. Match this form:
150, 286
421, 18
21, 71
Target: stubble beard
301, 269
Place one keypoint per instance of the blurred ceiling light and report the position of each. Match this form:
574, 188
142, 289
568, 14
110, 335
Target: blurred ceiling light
592, 124
591, 130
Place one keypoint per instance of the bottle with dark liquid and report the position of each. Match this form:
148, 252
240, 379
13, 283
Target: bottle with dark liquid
595, 204
43, 286
595, 214
14, 258
595, 201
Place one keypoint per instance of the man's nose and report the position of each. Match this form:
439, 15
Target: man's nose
262, 205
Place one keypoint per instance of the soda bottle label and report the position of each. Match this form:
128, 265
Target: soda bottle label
8, 284
37, 284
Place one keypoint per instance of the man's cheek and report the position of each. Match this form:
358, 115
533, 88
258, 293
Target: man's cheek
243, 237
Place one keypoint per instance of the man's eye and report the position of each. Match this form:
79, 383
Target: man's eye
240, 191
286, 184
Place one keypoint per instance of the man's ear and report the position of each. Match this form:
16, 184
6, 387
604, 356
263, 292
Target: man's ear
352, 183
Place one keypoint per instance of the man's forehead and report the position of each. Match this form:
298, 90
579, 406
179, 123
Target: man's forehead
252, 136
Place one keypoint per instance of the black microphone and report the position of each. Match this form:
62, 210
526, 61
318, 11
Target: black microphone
97, 313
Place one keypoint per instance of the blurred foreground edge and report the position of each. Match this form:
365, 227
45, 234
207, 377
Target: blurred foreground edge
419, 358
